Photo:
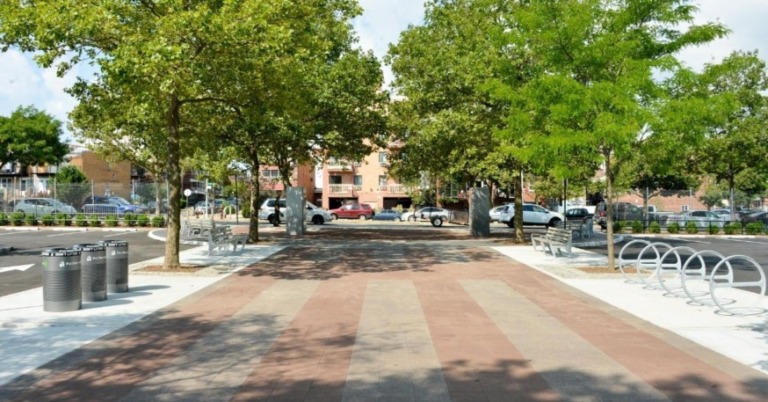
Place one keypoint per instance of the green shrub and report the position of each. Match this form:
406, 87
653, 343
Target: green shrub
81, 220
142, 220
229, 209
637, 227
158, 221
4, 219
654, 227
94, 221
754, 228
17, 218
246, 210
691, 228
47, 220
673, 228
618, 226
732, 228
30, 220
63, 219
111, 220
129, 219
713, 229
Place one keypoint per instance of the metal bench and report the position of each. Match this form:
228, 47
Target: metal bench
557, 240
197, 227
221, 237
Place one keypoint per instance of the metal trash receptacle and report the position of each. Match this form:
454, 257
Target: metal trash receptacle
93, 271
117, 265
61, 280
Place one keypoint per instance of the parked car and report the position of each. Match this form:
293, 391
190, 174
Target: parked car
119, 205
761, 216
210, 207
313, 213
42, 206
387, 215
577, 214
532, 215
426, 213
622, 211
495, 213
353, 210
726, 214
703, 219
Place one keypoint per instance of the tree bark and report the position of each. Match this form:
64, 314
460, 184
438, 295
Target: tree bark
609, 209
173, 170
253, 220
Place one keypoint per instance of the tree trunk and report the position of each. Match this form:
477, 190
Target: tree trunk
609, 210
519, 235
253, 220
173, 170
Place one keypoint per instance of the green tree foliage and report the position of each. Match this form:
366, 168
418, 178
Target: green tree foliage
31, 137
735, 138
593, 90
71, 185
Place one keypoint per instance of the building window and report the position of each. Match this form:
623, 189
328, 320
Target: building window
685, 208
270, 173
358, 180
334, 179
383, 158
383, 181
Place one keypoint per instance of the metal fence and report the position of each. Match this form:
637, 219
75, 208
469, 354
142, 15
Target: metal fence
77, 195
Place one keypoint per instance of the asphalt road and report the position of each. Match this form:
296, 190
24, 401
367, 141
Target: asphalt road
28, 245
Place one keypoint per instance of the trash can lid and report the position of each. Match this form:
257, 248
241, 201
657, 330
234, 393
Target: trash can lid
60, 252
114, 243
89, 247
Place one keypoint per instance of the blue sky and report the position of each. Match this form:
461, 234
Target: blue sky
22, 83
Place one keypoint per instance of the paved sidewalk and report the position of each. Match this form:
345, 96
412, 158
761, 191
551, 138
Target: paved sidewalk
381, 321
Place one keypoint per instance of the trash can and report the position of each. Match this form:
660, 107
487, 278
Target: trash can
93, 271
117, 265
61, 280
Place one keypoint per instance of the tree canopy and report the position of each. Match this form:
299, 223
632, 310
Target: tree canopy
31, 137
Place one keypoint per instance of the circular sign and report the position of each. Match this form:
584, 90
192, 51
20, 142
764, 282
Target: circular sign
187, 192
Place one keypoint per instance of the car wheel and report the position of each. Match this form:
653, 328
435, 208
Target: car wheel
271, 219
437, 221
334, 217
511, 223
411, 218
362, 217
554, 222
318, 220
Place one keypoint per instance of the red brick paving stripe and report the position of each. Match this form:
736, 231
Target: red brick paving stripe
479, 362
309, 361
646, 350
122, 360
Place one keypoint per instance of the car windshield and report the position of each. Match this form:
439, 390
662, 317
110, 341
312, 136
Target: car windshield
121, 201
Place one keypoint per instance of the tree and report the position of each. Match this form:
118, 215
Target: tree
594, 89
31, 137
735, 140
71, 185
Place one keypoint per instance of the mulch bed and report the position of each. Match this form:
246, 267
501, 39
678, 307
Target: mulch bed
182, 269
598, 270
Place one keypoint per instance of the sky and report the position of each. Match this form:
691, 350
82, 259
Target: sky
22, 83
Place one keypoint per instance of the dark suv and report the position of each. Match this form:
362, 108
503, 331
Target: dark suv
622, 211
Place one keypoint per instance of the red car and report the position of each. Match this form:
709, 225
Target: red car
352, 211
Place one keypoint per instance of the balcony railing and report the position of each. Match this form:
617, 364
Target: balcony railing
337, 166
398, 189
341, 188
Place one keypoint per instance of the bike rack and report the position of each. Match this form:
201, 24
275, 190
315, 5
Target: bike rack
719, 283
689, 278
677, 265
637, 262
652, 270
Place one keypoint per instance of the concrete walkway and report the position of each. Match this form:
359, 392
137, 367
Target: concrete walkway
385, 320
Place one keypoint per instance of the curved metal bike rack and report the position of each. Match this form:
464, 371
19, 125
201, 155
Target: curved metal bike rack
626, 262
700, 275
644, 265
718, 283
664, 281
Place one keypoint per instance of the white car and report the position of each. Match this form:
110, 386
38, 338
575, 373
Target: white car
43, 206
495, 213
703, 219
426, 213
313, 214
532, 215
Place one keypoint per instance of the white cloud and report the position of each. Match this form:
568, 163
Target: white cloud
745, 19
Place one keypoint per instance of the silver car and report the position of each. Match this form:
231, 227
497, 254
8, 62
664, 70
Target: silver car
702, 219
43, 206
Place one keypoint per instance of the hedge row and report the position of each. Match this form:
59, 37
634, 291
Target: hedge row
753, 228
82, 220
